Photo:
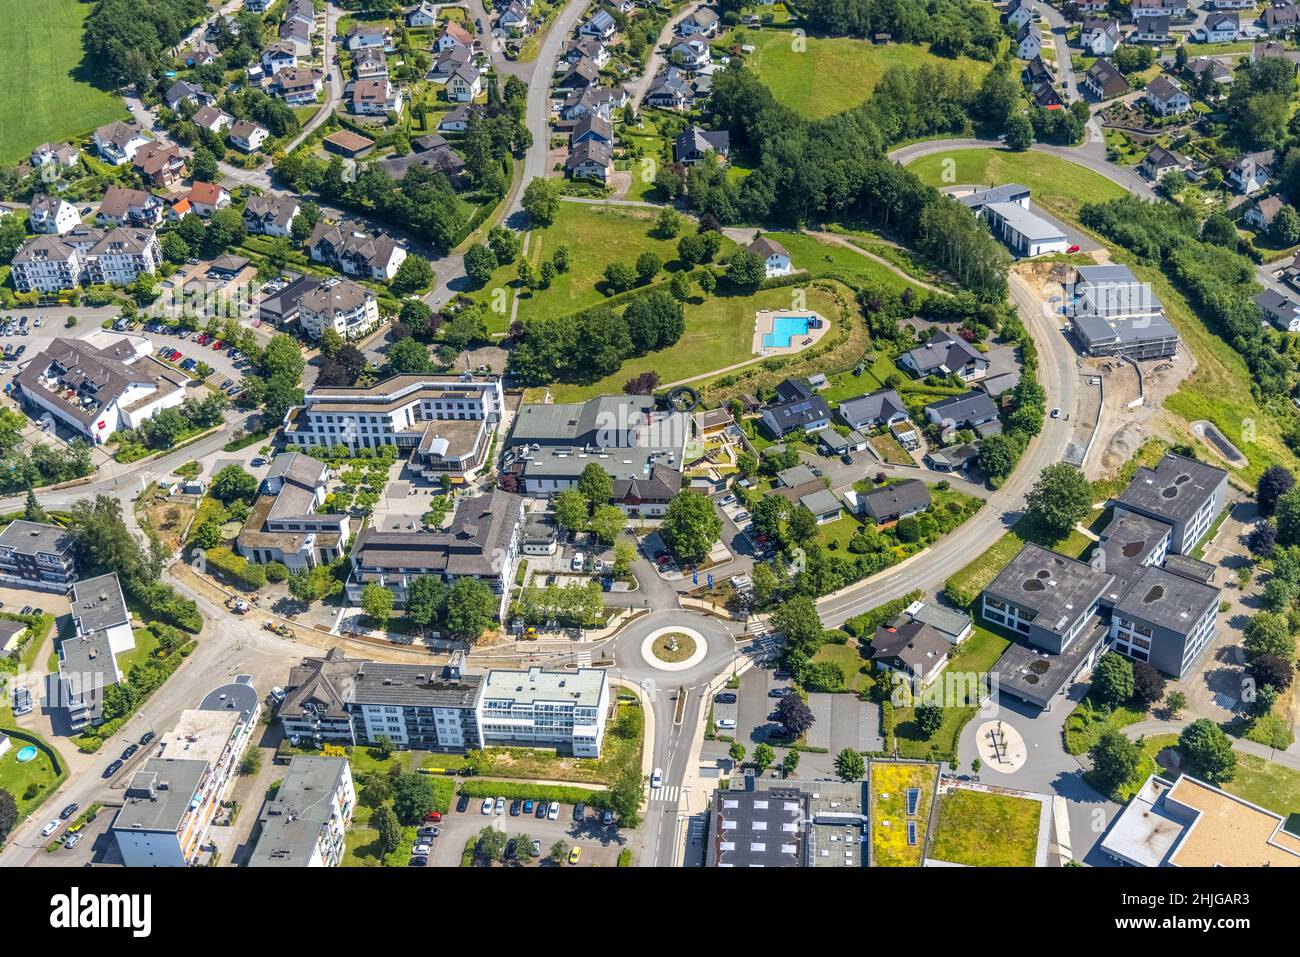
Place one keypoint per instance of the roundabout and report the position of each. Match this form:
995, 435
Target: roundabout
675, 648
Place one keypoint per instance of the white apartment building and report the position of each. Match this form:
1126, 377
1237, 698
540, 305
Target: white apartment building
166, 817
306, 825
546, 708
51, 263
349, 309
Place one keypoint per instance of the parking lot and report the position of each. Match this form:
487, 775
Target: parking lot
95, 846
600, 843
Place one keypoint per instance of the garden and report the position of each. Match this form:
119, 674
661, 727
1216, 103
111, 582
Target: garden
899, 811
986, 829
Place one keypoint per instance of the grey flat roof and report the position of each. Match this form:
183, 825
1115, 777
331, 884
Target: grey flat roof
1175, 489
97, 603
1125, 542
1035, 675
1102, 331
997, 194
1145, 832
1030, 225
941, 619
28, 538
159, 794
760, 828
417, 685
1159, 597
238, 695
580, 687
1189, 567
796, 475
1056, 588
291, 824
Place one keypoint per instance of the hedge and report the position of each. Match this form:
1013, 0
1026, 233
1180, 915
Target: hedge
864, 626
480, 788
238, 569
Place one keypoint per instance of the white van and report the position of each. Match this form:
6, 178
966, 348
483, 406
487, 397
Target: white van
579, 561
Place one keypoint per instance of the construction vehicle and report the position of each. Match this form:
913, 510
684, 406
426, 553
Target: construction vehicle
530, 634
284, 631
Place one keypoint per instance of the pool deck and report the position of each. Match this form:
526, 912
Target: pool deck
763, 325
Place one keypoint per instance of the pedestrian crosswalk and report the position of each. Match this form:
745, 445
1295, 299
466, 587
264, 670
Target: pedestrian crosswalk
583, 659
669, 792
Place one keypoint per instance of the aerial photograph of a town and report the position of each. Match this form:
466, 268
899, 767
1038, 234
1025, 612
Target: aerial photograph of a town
651, 434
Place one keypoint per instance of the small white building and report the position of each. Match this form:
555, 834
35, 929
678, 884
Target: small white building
776, 261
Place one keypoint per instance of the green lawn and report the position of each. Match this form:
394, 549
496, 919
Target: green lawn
17, 778
1059, 185
982, 829
820, 258
1258, 780
966, 585
888, 812
719, 332
850, 660
47, 94
799, 77
145, 643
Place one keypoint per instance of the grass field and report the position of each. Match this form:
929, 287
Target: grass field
1261, 782
37, 775
799, 77
976, 576
46, 95
850, 660
719, 332
889, 817
982, 829
1059, 185
819, 258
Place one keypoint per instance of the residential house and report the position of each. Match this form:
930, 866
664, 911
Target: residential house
1261, 214
129, 207
1158, 29
1217, 28
550, 709
456, 121
1145, 9
183, 91
589, 160
691, 54
670, 90
912, 648
212, 119
1104, 81
286, 523
1265, 51
377, 96
207, 198
269, 215
352, 249
1230, 4
117, 143
464, 85
38, 555
514, 18
601, 100
424, 15
1018, 13
440, 159
895, 501
369, 64
1252, 171
306, 823
60, 155
796, 406
970, 410
647, 496
1201, 68
49, 214
945, 354
367, 36
592, 127
279, 56
776, 261
1160, 162
452, 35
703, 22
954, 458
1281, 19
599, 26
1282, 311
581, 75
1028, 42
248, 136
101, 630
588, 48
822, 503
1166, 97
883, 407
299, 87
1100, 37
695, 143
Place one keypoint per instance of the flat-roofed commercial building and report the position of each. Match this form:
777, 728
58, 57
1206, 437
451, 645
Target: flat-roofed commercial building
306, 824
546, 708
1114, 313
283, 524
1182, 492
1165, 619
446, 422
1188, 823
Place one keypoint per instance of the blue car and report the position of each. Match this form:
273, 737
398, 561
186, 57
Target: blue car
528, 807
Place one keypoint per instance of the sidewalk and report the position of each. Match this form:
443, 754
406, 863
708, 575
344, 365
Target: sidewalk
1155, 726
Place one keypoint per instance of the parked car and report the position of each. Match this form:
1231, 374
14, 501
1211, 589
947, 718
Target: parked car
1056, 413
462, 805
421, 850
130, 750
725, 697
146, 737
528, 806
68, 811
575, 855
537, 848
113, 768
257, 462
71, 842
726, 724
553, 812
487, 806
515, 805
434, 816
777, 692
657, 779
541, 810
607, 818
49, 829
501, 805
579, 811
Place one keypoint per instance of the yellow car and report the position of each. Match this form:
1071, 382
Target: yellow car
575, 855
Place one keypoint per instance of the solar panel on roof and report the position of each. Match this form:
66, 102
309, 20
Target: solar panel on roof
911, 833
913, 800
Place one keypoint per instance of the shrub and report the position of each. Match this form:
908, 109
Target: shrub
239, 570
276, 572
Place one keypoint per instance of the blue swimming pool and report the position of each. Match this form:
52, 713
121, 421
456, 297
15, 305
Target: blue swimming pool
785, 328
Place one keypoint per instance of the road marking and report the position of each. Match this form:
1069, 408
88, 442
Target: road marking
670, 793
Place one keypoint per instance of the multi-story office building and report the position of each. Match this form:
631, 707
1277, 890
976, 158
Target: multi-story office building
88, 659
306, 824
547, 708
1185, 494
37, 555
1165, 619
446, 422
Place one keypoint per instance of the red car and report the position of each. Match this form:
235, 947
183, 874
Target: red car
203, 339
216, 346
434, 816
1073, 249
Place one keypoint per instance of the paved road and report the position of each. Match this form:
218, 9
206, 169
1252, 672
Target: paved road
931, 568
637, 89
